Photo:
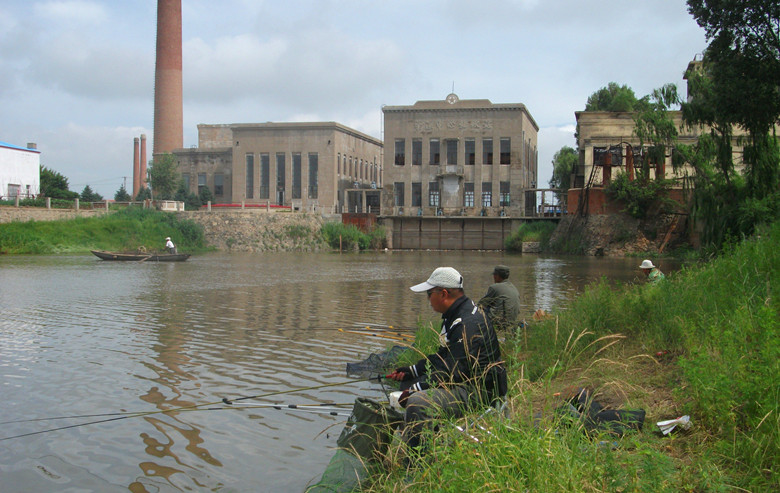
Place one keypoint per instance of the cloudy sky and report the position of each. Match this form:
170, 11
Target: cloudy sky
77, 76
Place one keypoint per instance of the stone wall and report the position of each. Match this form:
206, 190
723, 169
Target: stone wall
23, 214
259, 231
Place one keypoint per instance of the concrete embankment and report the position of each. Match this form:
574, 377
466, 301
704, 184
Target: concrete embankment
256, 231
24, 214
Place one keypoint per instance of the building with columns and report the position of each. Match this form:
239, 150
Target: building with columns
459, 158
309, 166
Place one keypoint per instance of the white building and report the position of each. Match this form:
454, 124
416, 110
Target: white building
20, 171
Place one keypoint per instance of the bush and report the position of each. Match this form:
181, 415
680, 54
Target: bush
350, 237
640, 195
540, 231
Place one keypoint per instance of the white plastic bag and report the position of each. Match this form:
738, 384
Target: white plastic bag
667, 426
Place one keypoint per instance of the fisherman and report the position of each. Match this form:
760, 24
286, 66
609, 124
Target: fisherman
169, 245
651, 271
467, 368
502, 301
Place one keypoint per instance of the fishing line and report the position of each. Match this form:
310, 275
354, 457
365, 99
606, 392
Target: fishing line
193, 407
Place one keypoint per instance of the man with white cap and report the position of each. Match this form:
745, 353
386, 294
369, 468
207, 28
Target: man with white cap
466, 369
169, 245
651, 271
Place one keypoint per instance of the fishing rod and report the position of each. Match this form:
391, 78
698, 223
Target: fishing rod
404, 338
225, 400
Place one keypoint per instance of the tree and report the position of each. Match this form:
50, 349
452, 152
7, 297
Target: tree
205, 195
87, 195
164, 177
614, 98
564, 164
191, 201
143, 194
121, 195
55, 185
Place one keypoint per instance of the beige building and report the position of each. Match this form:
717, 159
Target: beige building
309, 166
459, 158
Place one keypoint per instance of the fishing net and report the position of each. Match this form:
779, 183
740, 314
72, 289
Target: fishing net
376, 363
362, 443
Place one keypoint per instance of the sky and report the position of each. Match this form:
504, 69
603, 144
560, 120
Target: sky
77, 76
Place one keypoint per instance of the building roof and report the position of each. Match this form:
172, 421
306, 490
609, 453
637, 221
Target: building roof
452, 103
18, 148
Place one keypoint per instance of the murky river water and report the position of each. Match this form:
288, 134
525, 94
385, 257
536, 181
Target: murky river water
80, 336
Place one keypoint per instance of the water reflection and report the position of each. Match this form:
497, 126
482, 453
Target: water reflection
83, 336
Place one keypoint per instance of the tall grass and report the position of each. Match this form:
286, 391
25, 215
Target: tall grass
540, 231
705, 342
348, 237
126, 229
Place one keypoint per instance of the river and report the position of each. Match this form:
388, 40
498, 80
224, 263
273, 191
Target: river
80, 336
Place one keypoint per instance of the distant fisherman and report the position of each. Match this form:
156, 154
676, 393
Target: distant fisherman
502, 301
169, 245
651, 271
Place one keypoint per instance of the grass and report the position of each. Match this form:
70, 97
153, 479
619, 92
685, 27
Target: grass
127, 229
348, 237
532, 231
705, 342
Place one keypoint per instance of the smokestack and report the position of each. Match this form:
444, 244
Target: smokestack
136, 169
168, 125
142, 168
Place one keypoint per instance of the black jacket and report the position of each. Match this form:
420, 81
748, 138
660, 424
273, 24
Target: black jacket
469, 353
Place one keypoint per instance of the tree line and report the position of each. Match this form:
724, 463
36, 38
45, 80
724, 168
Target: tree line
737, 86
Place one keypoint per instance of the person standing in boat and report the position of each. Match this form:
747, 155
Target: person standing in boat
169, 245
502, 301
467, 368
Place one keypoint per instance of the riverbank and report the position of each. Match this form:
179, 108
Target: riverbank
703, 343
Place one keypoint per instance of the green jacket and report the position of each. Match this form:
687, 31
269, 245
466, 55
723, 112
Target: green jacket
655, 275
502, 304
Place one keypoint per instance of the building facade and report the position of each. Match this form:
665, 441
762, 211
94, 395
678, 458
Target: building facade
20, 171
309, 166
459, 158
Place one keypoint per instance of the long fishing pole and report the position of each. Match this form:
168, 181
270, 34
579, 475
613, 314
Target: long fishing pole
188, 408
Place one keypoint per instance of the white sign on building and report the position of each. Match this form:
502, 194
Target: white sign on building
20, 171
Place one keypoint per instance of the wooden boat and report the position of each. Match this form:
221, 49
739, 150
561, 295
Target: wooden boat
141, 256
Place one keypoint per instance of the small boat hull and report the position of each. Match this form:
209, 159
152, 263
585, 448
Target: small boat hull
141, 257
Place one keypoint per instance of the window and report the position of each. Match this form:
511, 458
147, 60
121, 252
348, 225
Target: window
265, 175
296, 175
13, 190
250, 176
400, 151
433, 194
219, 184
416, 194
505, 145
398, 193
186, 179
487, 151
487, 194
452, 151
435, 152
280, 164
314, 164
503, 196
338, 163
468, 194
350, 167
471, 153
416, 152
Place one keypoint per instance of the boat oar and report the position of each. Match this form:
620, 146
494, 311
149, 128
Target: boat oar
193, 407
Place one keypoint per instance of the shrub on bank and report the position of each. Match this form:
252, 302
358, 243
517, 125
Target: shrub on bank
534, 231
126, 229
348, 237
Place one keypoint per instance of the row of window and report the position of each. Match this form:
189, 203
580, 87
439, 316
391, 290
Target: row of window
219, 182
281, 166
451, 151
434, 195
358, 169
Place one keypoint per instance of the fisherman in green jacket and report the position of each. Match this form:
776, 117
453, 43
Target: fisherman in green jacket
502, 301
651, 271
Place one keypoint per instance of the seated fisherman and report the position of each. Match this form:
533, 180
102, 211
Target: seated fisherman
502, 301
466, 369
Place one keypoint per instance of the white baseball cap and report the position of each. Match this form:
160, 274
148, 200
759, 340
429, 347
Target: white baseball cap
442, 277
647, 264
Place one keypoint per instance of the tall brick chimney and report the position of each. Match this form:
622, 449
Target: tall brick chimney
168, 124
136, 169
142, 167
